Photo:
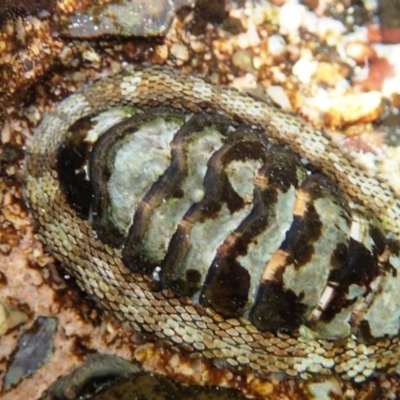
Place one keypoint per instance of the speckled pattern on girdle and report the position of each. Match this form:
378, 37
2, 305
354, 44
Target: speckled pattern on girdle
199, 332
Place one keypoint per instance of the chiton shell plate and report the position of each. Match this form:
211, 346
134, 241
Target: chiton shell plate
213, 211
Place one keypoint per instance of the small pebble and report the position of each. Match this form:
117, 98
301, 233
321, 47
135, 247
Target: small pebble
10, 317
180, 52
243, 60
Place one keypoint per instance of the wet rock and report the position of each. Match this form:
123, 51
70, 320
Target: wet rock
108, 377
157, 387
27, 52
33, 349
26, 6
97, 373
10, 317
213, 11
124, 18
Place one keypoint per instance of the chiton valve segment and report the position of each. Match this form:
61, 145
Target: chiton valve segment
210, 209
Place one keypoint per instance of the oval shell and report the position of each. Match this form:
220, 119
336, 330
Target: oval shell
220, 224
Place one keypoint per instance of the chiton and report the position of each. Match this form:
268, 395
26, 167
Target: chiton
220, 225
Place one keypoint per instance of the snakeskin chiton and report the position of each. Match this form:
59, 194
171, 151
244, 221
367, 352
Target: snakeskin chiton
218, 212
